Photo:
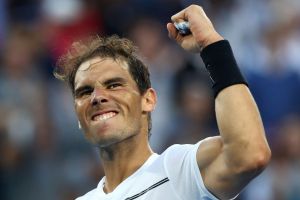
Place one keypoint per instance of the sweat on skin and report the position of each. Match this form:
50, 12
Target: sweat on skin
107, 100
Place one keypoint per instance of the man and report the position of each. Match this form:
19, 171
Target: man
113, 100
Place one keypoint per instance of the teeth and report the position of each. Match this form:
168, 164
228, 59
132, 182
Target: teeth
104, 116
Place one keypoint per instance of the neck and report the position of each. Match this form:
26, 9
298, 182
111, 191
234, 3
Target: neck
122, 159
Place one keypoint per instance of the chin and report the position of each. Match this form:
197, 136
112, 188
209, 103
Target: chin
105, 136
103, 139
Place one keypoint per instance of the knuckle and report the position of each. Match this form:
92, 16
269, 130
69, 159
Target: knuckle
173, 17
195, 7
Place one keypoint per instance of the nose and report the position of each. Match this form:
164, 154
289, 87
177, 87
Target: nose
98, 97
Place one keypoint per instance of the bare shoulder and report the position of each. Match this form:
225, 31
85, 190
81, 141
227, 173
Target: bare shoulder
208, 151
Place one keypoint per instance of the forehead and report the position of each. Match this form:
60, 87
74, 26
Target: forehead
101, 68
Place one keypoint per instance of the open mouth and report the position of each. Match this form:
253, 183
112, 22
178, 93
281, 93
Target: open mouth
104, 116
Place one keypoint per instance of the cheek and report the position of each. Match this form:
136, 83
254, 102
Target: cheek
135, 106
131, 102
79, 103
79, 109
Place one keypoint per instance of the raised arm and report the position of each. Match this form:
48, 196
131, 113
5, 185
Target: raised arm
230, 161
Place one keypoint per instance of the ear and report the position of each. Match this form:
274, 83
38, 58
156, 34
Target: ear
149, 100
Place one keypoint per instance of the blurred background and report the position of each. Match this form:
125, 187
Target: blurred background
43, 154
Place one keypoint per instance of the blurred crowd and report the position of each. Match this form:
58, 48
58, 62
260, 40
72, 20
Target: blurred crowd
43, 154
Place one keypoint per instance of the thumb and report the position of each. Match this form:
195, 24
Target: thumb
172, 31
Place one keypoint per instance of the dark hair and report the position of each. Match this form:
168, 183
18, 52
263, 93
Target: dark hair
105, 47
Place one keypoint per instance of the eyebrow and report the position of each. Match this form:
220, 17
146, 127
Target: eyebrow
107, 82
114, 80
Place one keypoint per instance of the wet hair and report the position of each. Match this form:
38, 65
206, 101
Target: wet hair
112, 47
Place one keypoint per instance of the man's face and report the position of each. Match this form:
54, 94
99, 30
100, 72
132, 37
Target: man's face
107, 101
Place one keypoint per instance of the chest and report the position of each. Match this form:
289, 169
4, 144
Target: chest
148, 190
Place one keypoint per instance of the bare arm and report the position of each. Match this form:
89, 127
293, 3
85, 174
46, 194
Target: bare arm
229, 161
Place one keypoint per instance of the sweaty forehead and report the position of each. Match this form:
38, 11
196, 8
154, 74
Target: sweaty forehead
97, 66
96, 61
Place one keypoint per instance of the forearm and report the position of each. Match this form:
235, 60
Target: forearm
240, 126
237, 115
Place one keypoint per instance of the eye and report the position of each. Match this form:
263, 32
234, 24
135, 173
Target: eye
84, 92
114, 85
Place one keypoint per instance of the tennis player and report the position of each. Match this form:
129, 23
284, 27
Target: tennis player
113, 100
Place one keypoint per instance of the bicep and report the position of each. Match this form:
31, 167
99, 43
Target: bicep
217, 174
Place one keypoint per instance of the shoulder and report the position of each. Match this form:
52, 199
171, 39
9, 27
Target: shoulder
192, 156
208, 150
180, 148
178, 155
180, 164
183, 149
